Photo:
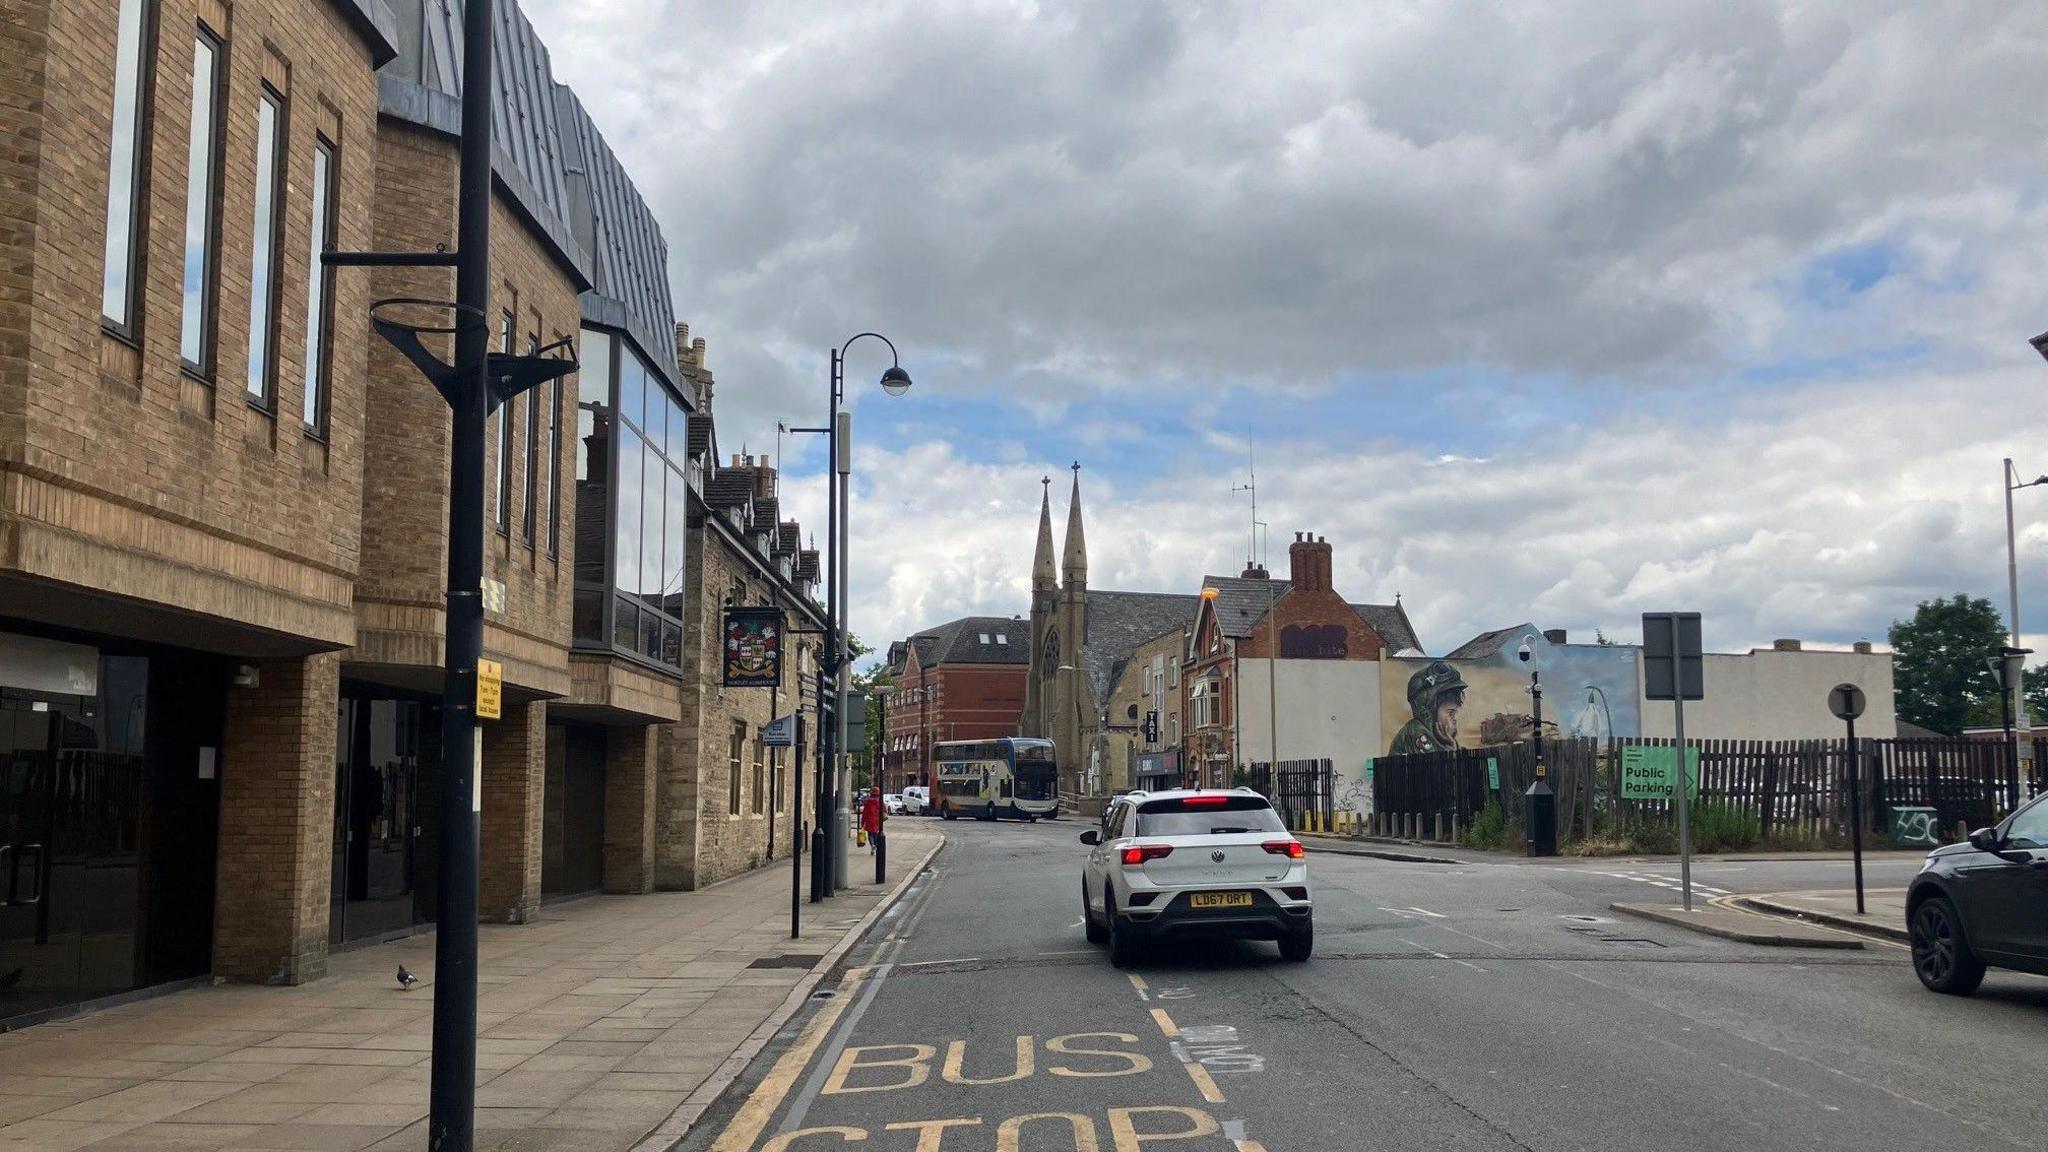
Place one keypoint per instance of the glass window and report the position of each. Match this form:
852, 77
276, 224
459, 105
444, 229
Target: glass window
656, 428
124, 164
626, 533
678, 430
1232, 814
319, 289
195, 333
527, 518
674, 513
2029, 829
554, 466
760, 782
633, 389
733, 745
625, 623
502, 488
651, 477
263, 246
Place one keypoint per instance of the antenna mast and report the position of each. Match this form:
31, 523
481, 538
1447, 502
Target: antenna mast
1252, 486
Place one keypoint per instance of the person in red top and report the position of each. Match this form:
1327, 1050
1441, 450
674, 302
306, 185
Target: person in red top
871, 814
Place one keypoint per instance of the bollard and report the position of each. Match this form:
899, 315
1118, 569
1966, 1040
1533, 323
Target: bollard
881, 857
1454, 828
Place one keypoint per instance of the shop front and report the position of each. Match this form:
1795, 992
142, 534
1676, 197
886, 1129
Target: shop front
386, 800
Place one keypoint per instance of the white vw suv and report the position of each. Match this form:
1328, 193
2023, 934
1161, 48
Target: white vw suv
1195, 863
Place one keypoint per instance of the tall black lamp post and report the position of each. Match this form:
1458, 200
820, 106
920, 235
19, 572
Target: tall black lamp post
1541, 800
829, 868
475, 385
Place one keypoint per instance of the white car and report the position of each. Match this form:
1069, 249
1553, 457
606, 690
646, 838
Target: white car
1195, 863
893, 803
916, 800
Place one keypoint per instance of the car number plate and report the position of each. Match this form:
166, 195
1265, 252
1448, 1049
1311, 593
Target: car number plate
1219, 900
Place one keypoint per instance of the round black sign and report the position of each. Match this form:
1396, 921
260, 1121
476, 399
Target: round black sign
1845, 701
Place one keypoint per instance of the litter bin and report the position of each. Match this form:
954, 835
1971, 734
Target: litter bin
1913, 827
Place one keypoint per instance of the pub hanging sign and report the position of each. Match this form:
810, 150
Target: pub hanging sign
753, 647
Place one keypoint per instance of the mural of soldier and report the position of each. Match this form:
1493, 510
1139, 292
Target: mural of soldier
1435, 694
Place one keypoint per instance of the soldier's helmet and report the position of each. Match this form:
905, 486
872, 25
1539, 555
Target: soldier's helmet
1430, 685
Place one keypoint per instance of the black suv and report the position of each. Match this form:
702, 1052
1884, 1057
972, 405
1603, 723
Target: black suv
1983, 904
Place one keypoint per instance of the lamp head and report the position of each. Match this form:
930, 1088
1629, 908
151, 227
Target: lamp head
895, 381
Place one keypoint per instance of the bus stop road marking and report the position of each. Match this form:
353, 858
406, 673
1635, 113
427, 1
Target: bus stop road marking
1165, 1023
753, 1116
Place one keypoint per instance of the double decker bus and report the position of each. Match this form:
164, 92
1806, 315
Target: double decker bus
988, 779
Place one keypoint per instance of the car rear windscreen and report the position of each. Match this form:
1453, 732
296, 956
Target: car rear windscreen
1202, 816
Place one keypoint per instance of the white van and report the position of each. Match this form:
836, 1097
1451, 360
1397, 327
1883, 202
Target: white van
917, 800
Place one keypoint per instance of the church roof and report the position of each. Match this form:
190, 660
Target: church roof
974, 640
1391, 622
1487, 643
1118, 622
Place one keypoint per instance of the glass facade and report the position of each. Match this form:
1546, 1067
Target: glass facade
632, 504
319, 290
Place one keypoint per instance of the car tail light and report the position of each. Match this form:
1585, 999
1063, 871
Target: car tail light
1203, 801
1291, 849
1137, 854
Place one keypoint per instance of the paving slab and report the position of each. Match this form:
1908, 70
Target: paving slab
608, 1024
1745, 927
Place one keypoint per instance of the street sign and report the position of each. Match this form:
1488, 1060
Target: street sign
1652, 773
490, 689
1492, 774
753, 648
1845, 701
856, 723
1151, 727
779, 732
1665, 665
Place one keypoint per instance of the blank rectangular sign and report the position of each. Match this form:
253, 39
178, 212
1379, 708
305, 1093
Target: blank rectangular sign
1662, 666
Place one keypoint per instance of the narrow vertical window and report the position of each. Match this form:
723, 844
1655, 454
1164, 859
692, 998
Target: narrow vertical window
554, 466
503, 487
760, 779
195, 333
263, 249
319, 290
527, 517
124, 165
733, 746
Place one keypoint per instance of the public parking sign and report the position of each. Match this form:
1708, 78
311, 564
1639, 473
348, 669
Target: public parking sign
1671, 669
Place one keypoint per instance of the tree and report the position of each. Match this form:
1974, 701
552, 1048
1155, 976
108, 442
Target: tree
1939, 672
874, 685
1601, 639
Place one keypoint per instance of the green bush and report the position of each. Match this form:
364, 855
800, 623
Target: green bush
1719, 827
1489, 828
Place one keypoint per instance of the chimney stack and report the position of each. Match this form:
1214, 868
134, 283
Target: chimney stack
1308, 562
1784, 645
1554, 635
1861, 647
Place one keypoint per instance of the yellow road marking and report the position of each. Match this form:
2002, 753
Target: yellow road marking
1165, 1023
753, 1116
1205, 1082
1249, 1146
1138, 982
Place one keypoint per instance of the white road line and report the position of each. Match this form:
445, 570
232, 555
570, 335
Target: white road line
934, 963
1431, 951
1427, 912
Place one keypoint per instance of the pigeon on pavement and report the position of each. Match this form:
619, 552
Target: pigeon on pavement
406, 979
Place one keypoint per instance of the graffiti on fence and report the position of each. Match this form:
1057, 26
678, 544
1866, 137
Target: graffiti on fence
1916, 828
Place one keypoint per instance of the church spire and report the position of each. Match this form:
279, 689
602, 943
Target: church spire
1074, 561
1045, 575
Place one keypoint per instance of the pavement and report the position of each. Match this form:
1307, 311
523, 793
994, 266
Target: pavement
609, 1024
1735, 924
1468, 1006
1884, 913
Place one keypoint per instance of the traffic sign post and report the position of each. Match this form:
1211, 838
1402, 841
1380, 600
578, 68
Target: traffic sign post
1674, 670
1846, 702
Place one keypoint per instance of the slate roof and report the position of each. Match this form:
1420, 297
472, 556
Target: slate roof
788, 538
1118, 622
1488, 643
1391, 622
807, 567
729, 487
767, 513
1242, 602
702, 435
959, 642
628, 256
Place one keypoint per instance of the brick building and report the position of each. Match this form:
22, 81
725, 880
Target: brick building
223, 511
963, 680
1236, 705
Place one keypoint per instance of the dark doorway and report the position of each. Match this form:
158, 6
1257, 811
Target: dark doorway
382, 882
572, 819
108, 827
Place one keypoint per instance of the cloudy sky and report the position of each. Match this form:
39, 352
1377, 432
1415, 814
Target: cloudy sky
1560, 311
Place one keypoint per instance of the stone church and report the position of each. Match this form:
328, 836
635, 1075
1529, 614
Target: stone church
1080, 639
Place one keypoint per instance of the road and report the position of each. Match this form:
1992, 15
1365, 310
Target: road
1461, 1007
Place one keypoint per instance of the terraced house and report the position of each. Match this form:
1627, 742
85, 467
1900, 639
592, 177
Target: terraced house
223, 506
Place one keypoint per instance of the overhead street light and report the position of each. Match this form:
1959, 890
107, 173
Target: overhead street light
2015, 686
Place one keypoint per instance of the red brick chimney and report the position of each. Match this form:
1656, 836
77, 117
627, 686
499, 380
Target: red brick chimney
1309, 562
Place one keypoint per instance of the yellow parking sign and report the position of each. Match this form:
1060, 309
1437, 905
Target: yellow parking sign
490, 689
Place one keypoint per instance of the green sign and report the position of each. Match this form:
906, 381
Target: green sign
1492, 774
1368, 769
1648, 773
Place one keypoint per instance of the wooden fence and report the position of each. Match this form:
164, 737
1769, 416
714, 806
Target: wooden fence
1796, 790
